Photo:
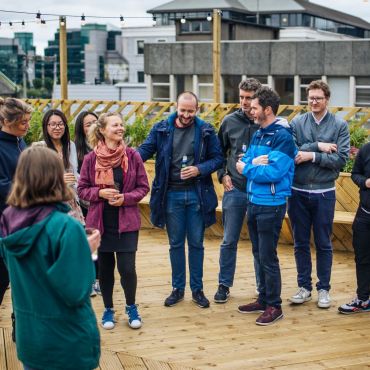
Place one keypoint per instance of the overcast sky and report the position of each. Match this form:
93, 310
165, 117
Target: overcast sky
129, 8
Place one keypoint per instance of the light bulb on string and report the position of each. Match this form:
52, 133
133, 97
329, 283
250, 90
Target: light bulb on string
43, 22
23, 25
183, 19
122, 21
83, 20
154, 20
11, 25
209, 17
38, 17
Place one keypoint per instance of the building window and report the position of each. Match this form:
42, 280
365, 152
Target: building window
362, 91
305, 81
161, 87
140, 76
140, 46
195, 27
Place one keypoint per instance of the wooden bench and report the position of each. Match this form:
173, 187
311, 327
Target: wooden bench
345, 210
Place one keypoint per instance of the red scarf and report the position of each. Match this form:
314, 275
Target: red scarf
106, 160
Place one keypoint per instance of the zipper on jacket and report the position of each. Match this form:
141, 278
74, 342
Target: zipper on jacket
19, 148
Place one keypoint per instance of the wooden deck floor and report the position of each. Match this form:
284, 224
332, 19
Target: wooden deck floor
186, 336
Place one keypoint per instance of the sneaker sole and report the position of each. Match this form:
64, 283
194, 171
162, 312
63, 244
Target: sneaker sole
135, 327
269, 323
248, 312
107, 327
221, 300
199, 304
295, 301
174, 304
323, 305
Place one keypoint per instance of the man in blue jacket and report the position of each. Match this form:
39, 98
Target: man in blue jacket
269, 168
183, 197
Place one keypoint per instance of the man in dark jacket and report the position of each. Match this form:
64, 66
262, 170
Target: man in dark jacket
183, 197
235, 134
322, 140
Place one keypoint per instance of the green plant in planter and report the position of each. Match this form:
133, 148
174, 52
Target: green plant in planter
137, 131
358, 137
35, 131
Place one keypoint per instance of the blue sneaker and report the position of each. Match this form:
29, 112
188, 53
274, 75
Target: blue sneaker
356, 306
134, 319
108, 320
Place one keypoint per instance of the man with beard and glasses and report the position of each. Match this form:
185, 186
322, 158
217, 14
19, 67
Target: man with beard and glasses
183, 198
235, 135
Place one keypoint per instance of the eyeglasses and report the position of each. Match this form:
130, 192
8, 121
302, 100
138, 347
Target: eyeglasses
55, 125
317, 99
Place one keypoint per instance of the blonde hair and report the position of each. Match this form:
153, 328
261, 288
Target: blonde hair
39, 179
94, 135
13, 110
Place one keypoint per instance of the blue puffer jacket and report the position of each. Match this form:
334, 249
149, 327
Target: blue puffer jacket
207, 157
270, 184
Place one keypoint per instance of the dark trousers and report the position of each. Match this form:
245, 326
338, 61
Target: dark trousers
264, 225
361, 246
127, 270
4, 279
314, 210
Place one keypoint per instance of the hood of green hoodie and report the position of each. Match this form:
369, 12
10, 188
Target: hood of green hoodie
22, 241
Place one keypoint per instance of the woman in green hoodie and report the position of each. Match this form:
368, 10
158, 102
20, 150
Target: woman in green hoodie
50, 268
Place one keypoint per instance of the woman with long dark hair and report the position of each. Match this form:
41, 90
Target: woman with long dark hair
83, 122
56, 137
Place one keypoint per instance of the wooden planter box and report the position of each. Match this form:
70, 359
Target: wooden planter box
347, 203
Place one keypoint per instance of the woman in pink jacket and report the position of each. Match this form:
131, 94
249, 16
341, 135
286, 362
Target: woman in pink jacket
113, 180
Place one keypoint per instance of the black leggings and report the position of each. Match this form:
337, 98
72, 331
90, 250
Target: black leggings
4, 279
127, 270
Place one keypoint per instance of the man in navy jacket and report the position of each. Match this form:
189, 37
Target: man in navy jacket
183, 197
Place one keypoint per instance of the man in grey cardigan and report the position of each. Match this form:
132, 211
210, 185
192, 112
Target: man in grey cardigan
235, 134
323, 146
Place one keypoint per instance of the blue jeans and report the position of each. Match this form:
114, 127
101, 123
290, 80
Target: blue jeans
234, 209
264, 225
184, 219
314, 210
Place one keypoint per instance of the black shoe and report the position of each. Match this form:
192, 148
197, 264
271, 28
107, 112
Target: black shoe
222, 294
200, 299
175, 297
13, 327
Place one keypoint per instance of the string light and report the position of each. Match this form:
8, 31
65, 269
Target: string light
62, 21
122, 21
11, 25
43, 22
23, 25
38, 17
0, 25
183, 19
83, 20
154, 20
209, 17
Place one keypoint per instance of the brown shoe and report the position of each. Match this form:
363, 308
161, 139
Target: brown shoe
270, 315
251, 308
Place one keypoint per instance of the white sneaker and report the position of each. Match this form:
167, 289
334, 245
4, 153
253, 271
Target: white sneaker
303, 295
324, 300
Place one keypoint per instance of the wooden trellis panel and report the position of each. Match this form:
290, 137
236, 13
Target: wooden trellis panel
153, 111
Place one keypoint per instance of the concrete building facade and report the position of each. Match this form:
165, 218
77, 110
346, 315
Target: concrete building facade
286, 66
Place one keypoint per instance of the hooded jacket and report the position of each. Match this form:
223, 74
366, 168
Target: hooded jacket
235, 132
51, 273
270, 184
207, 157
10, 149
